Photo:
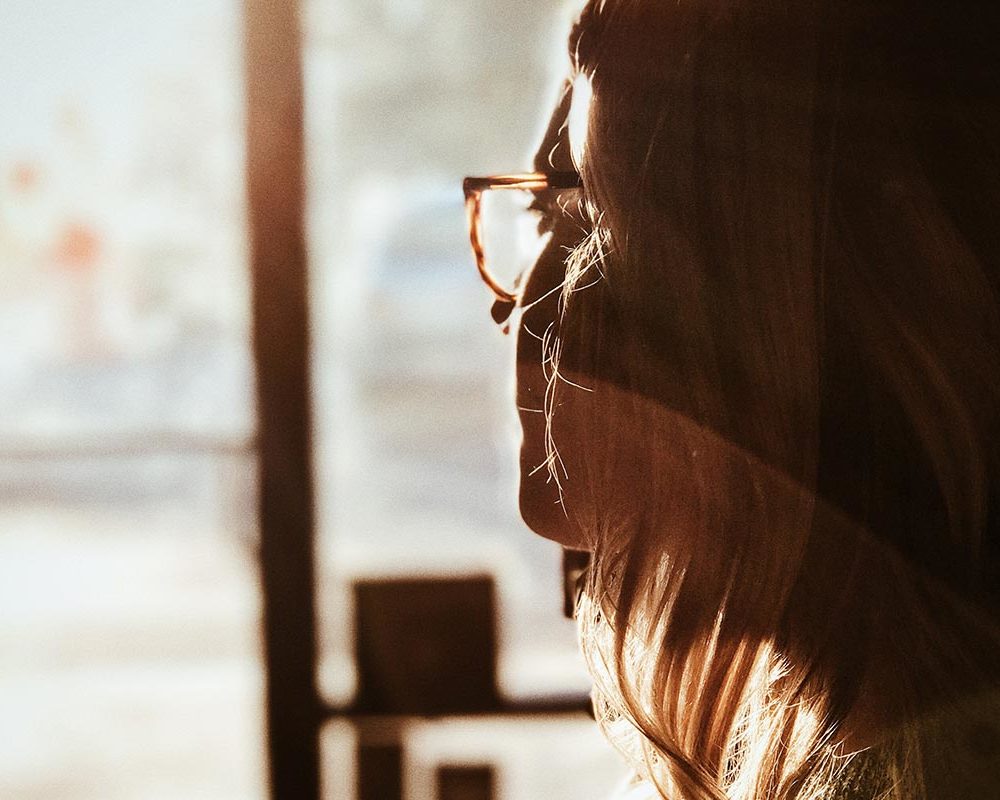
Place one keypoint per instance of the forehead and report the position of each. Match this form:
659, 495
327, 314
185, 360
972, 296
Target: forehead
554, 152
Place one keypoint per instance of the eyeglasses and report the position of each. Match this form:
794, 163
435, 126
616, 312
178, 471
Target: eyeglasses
505, 290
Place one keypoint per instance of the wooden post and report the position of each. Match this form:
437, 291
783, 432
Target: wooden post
276, 197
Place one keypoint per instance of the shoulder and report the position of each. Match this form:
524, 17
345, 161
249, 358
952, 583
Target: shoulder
951, 752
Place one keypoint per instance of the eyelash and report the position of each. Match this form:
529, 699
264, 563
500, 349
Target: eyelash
544, 213
548, 211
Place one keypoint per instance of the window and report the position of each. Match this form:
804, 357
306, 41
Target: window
130, 663
417, 433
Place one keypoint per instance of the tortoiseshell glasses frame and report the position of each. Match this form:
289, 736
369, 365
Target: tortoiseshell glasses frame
474, 188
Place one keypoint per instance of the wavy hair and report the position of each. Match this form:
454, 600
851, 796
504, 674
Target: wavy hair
787, 308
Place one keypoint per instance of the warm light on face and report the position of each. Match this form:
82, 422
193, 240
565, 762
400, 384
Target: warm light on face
579, 116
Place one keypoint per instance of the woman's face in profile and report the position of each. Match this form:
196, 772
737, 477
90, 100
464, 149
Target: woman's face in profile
543, 499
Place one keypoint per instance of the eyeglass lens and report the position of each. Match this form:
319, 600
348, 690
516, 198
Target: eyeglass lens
510, 233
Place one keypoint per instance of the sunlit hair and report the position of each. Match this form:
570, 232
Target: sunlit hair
786, 314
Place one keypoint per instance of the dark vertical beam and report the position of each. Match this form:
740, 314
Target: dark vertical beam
380, 771
276, 196
466, 782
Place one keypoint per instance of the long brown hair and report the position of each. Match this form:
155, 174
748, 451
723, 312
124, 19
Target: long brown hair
790, 452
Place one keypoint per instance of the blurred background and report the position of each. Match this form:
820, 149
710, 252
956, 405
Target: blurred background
131, 655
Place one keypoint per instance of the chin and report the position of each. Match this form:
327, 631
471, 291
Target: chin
538, 494
541, 511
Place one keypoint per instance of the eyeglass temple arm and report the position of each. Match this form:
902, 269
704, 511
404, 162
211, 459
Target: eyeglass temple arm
535, 181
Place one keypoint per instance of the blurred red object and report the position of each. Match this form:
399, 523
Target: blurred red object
24, 177
77, 248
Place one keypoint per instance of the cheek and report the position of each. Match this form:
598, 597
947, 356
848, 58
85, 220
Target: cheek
538, 324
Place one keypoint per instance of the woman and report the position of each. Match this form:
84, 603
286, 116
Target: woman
759, 380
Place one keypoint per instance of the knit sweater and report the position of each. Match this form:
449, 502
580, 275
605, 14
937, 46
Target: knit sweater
960, 753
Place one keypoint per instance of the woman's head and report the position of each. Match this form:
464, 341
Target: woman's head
767, 385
